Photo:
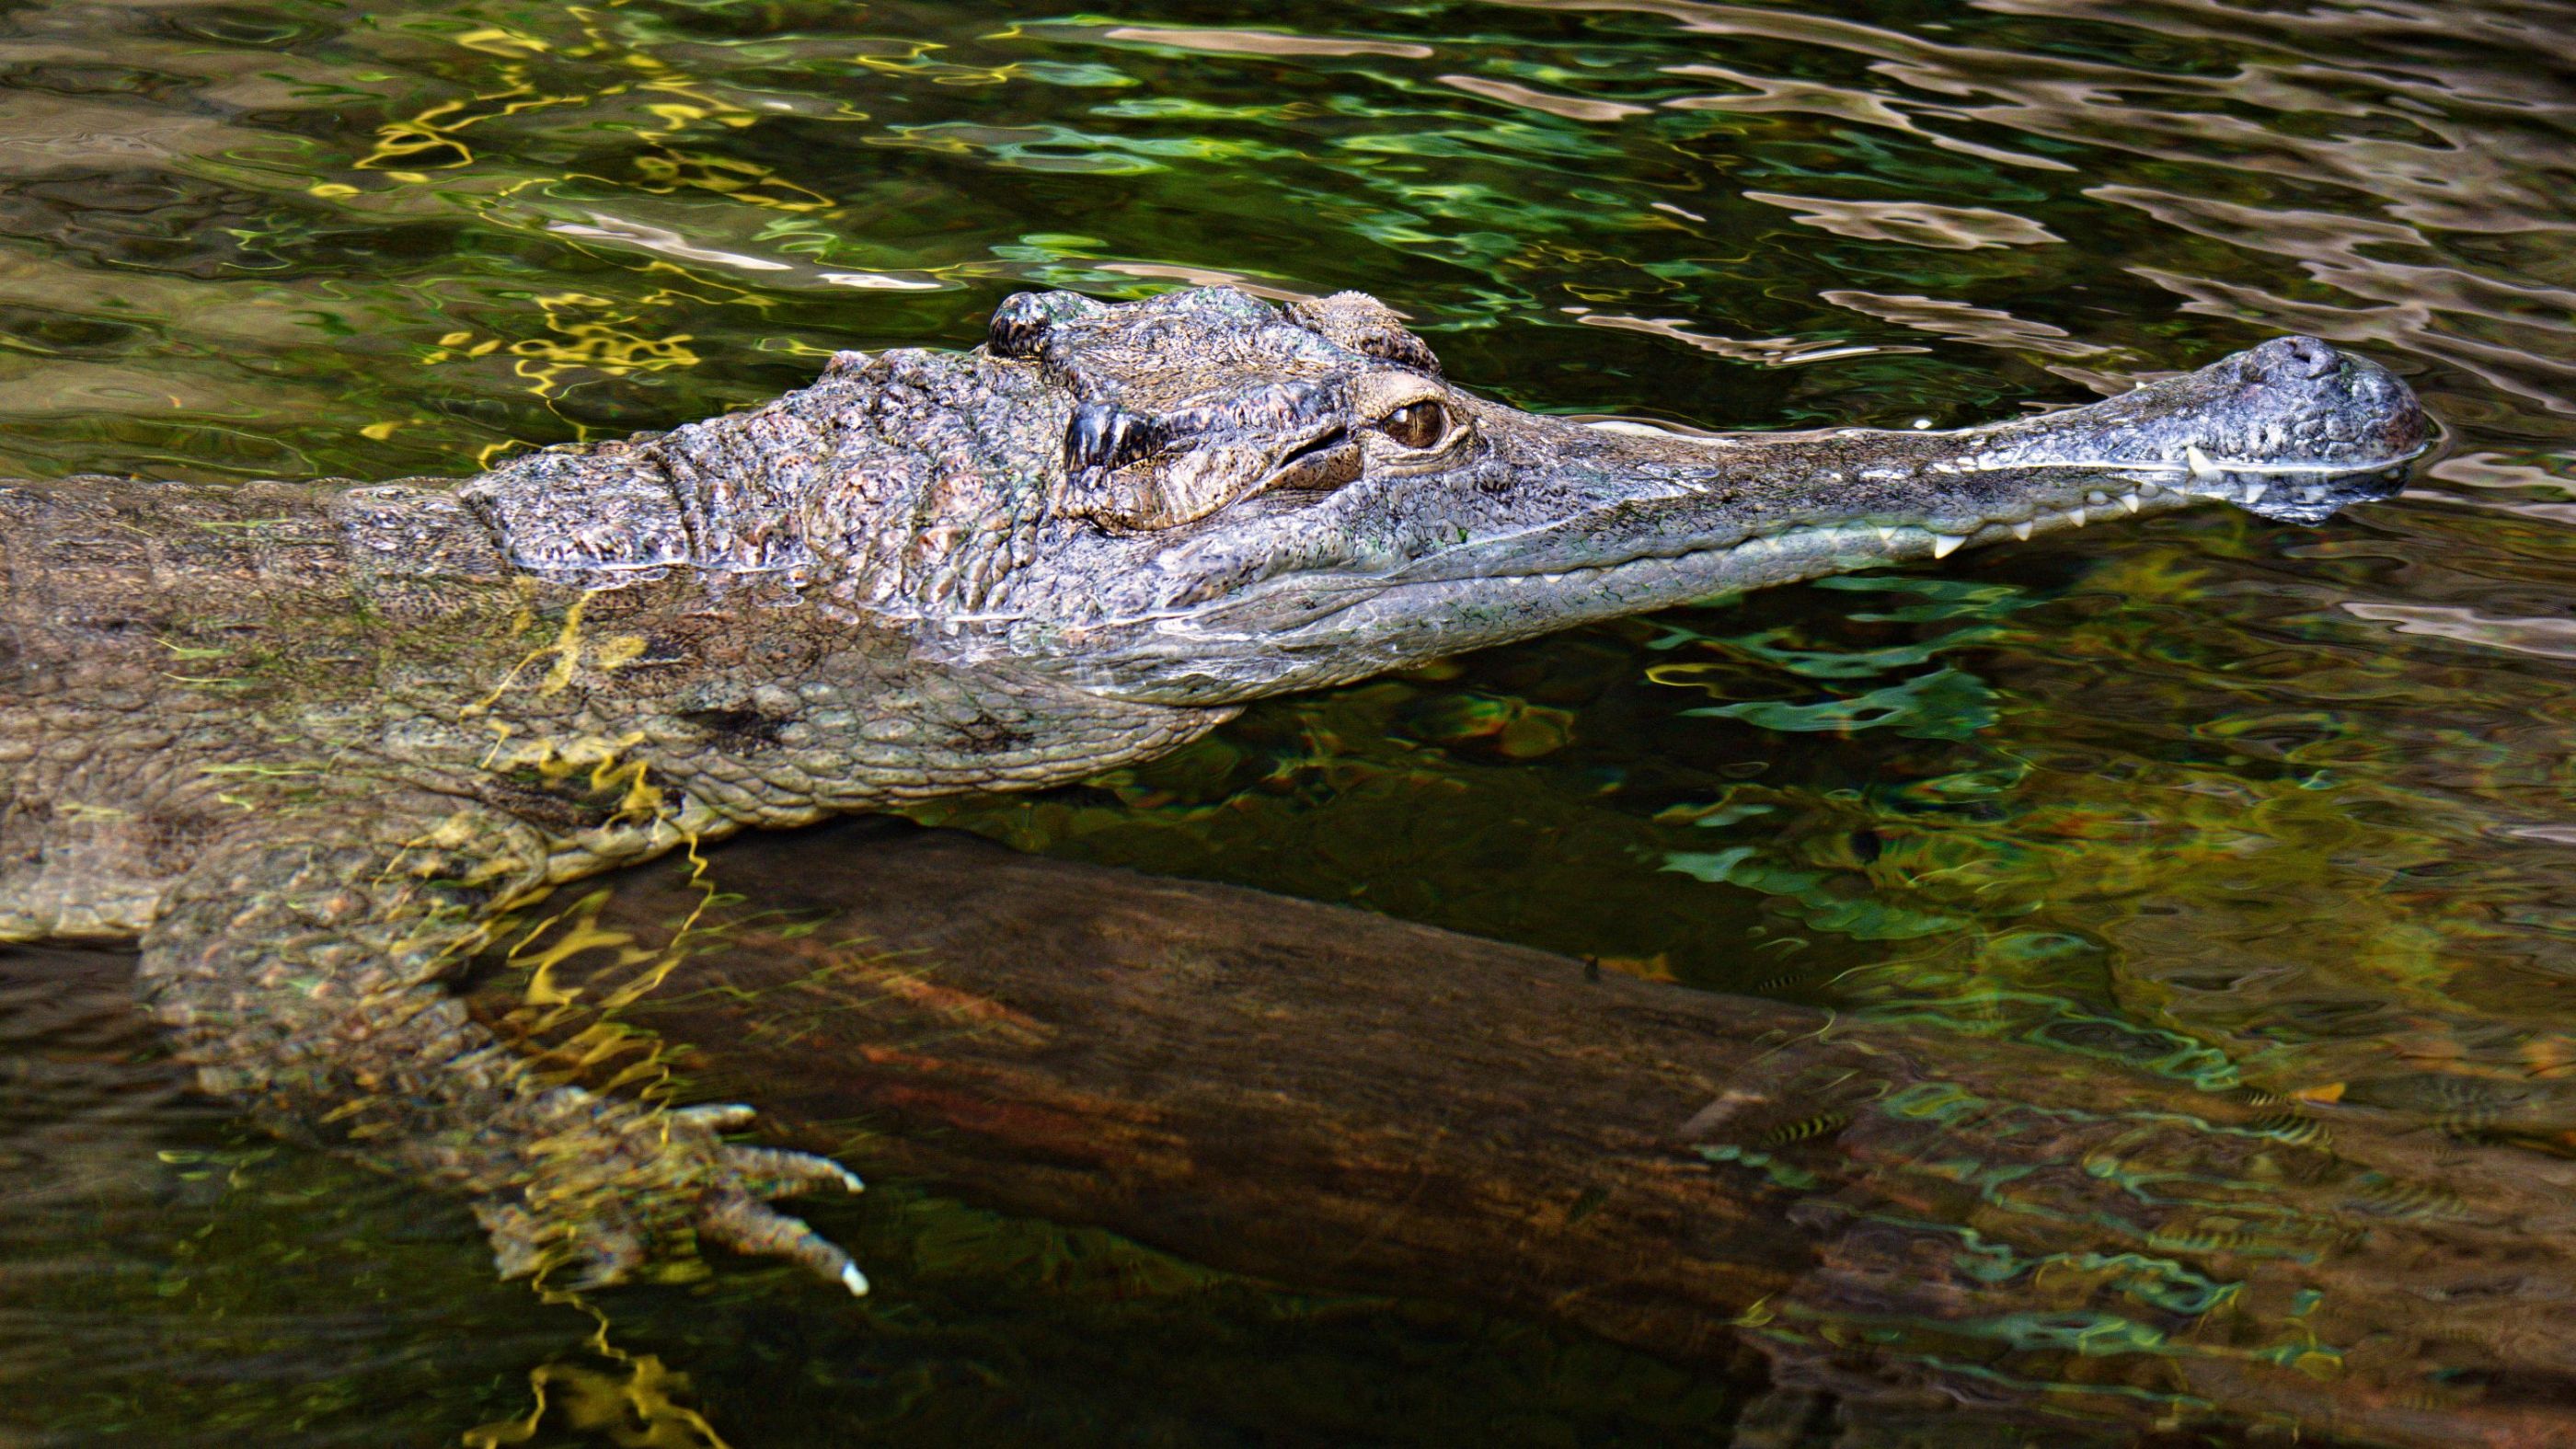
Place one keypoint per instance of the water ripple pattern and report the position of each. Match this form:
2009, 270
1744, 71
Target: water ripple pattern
2266, 809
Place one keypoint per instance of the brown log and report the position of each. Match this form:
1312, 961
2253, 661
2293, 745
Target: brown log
1905, 1218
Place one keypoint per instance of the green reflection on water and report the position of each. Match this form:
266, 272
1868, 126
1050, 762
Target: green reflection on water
2224, 801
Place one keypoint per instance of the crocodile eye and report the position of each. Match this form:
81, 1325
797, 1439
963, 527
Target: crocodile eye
1416, 425
1021, 324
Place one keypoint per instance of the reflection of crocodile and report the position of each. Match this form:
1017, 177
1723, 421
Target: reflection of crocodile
308, 741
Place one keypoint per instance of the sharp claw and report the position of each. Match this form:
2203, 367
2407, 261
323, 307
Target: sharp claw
747, 1227
646, 1178
718, 1116
779, 1173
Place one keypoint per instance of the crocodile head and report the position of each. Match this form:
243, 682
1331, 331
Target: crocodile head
1235, 500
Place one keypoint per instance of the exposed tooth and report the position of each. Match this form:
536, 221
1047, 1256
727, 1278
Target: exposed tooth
2129, 501
2098, 500
2254, 492
2149, 490
2021, 530
2201, 467
1944, 543
1887, 537
2076, 517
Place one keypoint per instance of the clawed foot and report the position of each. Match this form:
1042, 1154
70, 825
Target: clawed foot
611, 1189
740, 1219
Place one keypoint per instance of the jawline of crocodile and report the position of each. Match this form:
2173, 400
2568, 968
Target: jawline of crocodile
1281, 586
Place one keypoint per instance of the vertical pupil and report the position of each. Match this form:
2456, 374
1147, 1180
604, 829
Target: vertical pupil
1415, 425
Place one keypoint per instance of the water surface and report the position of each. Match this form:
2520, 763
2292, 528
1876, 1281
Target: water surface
2249, 804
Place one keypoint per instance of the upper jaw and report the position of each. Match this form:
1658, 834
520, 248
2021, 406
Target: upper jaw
2292, 430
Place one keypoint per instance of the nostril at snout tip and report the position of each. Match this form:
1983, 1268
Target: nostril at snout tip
2302, 359
2314, 358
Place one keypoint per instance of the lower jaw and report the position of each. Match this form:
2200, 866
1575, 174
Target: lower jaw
1413, 623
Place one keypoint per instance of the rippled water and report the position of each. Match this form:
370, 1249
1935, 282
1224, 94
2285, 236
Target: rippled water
2293, 806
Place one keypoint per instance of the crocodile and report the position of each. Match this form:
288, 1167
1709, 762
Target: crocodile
309, 743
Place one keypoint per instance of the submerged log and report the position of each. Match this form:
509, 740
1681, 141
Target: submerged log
1910, 1219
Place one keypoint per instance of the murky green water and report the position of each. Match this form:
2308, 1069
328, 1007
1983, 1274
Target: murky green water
2296, 808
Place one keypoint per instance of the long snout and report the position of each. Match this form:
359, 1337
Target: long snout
1550, 522
2293, 429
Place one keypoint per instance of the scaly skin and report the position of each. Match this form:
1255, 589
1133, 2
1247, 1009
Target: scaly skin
309, 779
307, 743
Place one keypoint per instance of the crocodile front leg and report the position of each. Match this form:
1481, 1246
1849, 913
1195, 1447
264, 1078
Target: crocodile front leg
301, 974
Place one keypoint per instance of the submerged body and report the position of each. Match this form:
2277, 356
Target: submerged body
308, 742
